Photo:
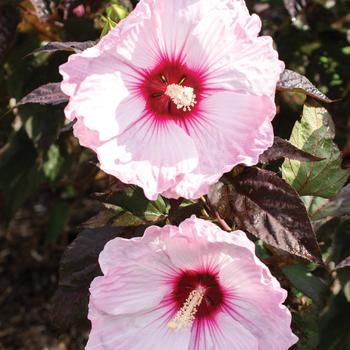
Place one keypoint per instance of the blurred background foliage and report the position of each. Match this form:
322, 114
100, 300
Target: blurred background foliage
50, 186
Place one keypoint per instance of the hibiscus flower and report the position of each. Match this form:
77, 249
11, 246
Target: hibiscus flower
177, 94
192, 287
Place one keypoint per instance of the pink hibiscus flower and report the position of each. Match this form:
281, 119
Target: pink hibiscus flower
176, 95
188, 287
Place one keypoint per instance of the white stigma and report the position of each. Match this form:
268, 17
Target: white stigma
183, 96
186, 315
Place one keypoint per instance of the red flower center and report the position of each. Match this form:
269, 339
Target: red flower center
160, 98
213, 297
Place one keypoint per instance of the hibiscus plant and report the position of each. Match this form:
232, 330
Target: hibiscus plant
223, 214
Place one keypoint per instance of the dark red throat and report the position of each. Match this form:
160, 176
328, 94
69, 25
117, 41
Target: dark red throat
155, 84
214, 295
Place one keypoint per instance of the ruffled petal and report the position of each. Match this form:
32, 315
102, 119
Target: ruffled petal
255, 301
147, 330
87, 137
103, 98
259, 309
128, 265
149, 154
199, 244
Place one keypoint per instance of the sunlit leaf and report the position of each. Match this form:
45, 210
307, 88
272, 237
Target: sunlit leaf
53, 165
133, 200
73, 46
314, 134
114, 13
293, 81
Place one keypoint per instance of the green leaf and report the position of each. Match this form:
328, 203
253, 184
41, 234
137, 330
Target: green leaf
115, 13
52, 167
19, 174
314, 134
132, 199
334, 331
109, 25
306, 327
314, 206
59, 217
336, 207
310, 285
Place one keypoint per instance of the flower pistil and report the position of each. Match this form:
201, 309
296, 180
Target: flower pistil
186, 315
183, 96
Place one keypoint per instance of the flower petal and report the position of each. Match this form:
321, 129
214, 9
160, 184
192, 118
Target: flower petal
256, 302
87, 138
225, 137
147, 330
149, 154
102, 97
223, 333
199, 244
128, 267
125, 291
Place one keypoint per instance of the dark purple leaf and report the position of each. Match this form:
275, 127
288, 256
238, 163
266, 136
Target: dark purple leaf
283, 149
336, 207
78, 267
9, 19
293, 81
46, 94
294, 7
266, 206
69, 126
73, 46
344, 263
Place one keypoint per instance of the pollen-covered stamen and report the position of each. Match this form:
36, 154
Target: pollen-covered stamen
183, 96
186, 315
